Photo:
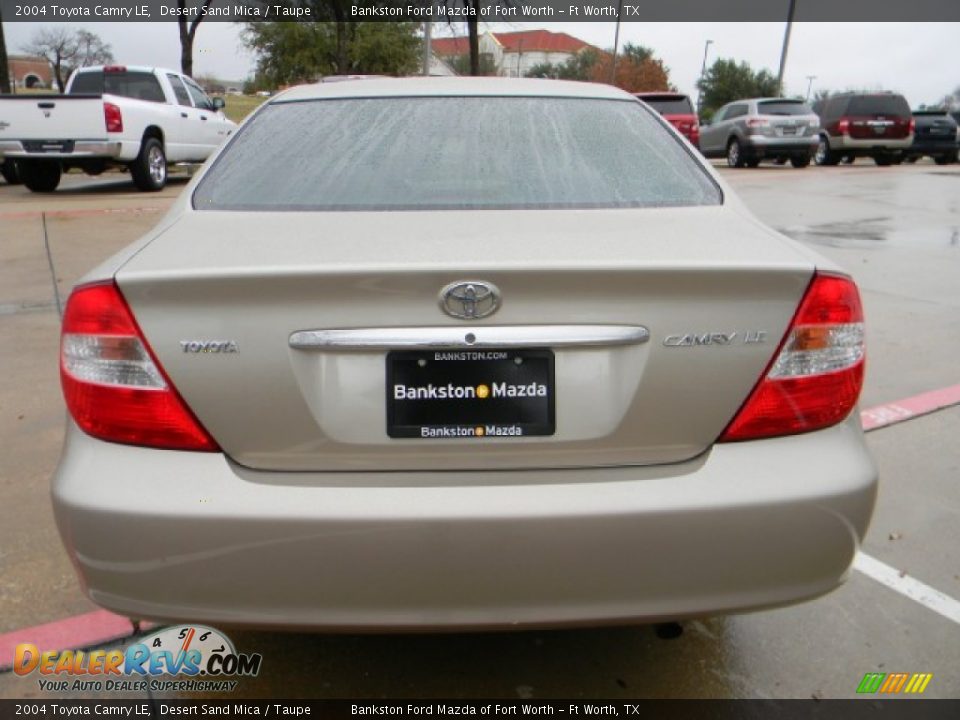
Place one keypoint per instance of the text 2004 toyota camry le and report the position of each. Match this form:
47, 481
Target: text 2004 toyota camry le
469, 353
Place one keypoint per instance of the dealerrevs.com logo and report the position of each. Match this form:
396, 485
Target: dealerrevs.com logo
202, 658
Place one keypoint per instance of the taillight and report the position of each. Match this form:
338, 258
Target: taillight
113, 117
758, 123
843, 127
113, 385
816, 377
912, 126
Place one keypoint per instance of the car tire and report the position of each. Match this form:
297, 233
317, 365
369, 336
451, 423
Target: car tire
800, 161
824, 155
40, 175
10, 171
883, 160
945, 159
911, 160
149, 170
735, 157
753, 162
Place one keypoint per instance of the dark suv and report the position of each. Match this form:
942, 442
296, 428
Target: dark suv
877, 125
936, 135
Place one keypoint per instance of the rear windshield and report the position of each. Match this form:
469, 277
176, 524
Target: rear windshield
878, 105
783, 107
136, 85
435, 153
670, 105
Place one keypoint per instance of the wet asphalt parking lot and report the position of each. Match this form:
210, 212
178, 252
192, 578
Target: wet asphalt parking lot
897, 230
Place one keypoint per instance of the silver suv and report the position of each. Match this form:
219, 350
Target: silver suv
748, 131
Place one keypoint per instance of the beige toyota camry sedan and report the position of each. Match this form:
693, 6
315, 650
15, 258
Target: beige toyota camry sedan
466, 353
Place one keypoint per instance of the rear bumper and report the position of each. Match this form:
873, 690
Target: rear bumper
762, 146
190, 536
82, 149
930, 146
869, 145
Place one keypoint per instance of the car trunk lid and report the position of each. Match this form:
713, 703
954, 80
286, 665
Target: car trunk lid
222, 296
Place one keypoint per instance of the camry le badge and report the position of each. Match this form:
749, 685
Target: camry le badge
470, 299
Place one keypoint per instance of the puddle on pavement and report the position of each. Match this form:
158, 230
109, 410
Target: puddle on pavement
873, 233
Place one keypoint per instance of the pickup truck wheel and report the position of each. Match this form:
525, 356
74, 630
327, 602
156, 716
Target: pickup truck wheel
149, 170
946, 159
800, 161
10, 171
40, 175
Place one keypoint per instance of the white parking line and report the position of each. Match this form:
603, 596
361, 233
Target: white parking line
917, 591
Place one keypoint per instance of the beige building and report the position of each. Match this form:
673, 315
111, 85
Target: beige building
513, 54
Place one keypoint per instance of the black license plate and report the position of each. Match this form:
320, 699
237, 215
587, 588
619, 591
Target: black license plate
470, 393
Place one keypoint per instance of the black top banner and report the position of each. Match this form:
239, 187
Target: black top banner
483, 10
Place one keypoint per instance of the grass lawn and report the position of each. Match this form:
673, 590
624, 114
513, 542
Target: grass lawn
239, 106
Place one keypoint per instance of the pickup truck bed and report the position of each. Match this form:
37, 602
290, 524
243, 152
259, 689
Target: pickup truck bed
148, 118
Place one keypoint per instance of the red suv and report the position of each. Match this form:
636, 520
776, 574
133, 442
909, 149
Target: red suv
877, 125
676, 109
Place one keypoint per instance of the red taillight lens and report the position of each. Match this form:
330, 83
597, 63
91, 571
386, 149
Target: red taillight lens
112, 117
816, 377
843, 127
113, 385
912, 126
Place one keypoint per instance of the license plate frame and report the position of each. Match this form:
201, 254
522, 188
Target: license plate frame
519, 399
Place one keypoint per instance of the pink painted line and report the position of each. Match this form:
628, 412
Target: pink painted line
80, 631
911, 407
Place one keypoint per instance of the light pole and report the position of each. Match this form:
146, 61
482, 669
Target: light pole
810, 79
786, 46
427, 40
616, 43
703, 71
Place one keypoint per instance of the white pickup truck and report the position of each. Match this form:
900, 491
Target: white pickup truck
137, 118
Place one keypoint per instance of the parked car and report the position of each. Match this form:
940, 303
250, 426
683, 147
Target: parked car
353, 382
677, 109
749, 131
936, 134
852, 125
136, 118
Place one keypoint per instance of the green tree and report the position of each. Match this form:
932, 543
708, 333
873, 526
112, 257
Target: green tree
727, 80
638, 54
289, 52
461, 65
576, 67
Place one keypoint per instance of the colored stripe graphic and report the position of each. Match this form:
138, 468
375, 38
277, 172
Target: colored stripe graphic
870, 683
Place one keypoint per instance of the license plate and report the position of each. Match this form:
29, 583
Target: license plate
789, 131
462, 394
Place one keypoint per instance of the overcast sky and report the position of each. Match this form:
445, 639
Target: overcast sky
916, 59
